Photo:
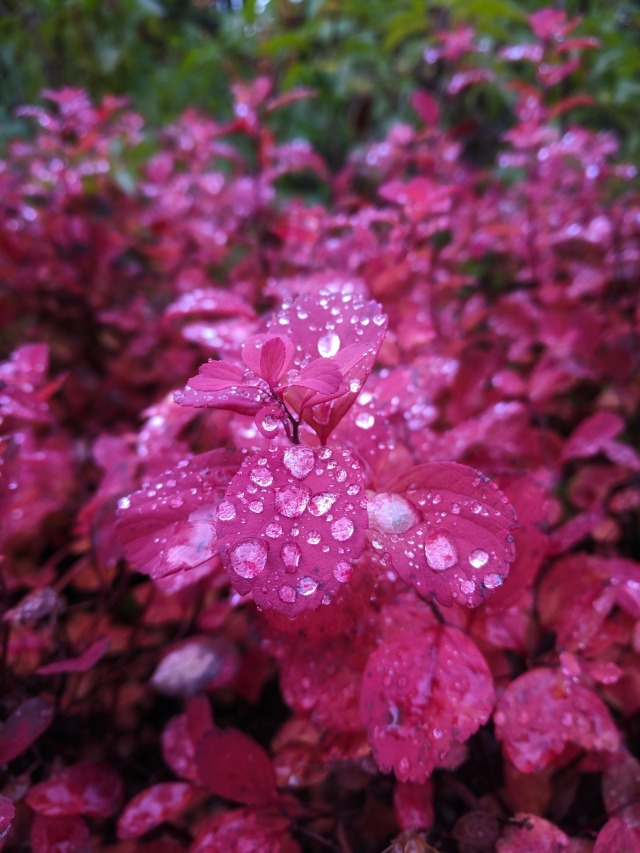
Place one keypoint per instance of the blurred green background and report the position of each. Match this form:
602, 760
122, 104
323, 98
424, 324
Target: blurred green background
364, 57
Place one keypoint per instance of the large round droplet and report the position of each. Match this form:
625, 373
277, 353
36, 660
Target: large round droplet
287, 594
342, 529
440, 551
391, 513
292, 500
307, 586
299, 461
342, 571
261, 476
226, 511
322, 503
249, 557
478, 558
290, 555
328, 345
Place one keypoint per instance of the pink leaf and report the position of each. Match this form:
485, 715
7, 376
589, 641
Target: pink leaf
153, 806
446, 530
221, 385
210, 301
85, 661
199, 663
234, 766
7, 812
542, 710
87, 788
182, 733
413, 805
68, 834
268, 356
245, 831
528, 832
592, 435
290, 523
421, 695
617, 836
169, 525
217, 376
23, 727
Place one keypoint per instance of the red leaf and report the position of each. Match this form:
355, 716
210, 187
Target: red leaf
154, 806
268, 356
290, 523
87, 788
7, 812
221, 385
413, 805
209, 300
85, 661
591, 436
621, 788
617, 836
245, 831
234, 766
542, 710
169, 525
24, 726
446, 530
60, 835
199, 663
421, 695
527, 832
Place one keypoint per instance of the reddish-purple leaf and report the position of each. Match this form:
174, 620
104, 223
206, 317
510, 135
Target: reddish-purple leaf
446, 530
85, 661
591, 436
527, 833
291, 522
36, 605
542, 711
268, 356
618, 836
413, 805
153, 806
234, 766
87, 788
222, 385
7, 812
169, 525
209, 300
199, 663
245, 831
68, 834
421, 695
182, 733
23, 727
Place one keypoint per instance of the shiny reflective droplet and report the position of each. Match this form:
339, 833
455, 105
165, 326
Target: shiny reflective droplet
299, 461
273, 530
307, 586
493, 580
256, 506
328, 345
440, 551
353, 489
392, 513
468, 587
343, 571
365, 420
292, 500
226, 511
355, 385
123, 503
478, 558
287, 594
261, 476
342, 529
270, 423
249, 557
322, 503
455, 508
290, 555
313, 537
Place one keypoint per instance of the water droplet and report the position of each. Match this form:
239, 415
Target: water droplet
342, 529
455, 509
476, 508
261, 476
292, 500
328, 345
478, 558
353, 489
287, 594
392, 513
324, 453
256, 506
436, 499
468, 587
365, 420
307, 586
493, 580
249, 557
355, 385
226, 511
379, 319
440, 551
273, 531
343, 571
176, 503
313, 537
299, 461
322, 503
270, 423
123, 503
290, 555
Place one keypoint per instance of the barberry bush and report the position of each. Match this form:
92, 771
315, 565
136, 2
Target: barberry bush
319, 490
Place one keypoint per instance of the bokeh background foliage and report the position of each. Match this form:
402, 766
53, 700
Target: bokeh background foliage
364, 58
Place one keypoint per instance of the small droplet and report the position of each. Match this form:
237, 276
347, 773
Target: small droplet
440, 551
355, 385
290, 555
476, 508
392, 513
123, 503
270, 423
292, 500
261, 476
322, 503
468, 587
256, 506
313, 537
353, 489
455, 509
226, 511
493, 580
343, 571
365, 420
273, 530
328, 345
307, 586
342, 529
299, 461
478, 558
287, 594
249, 557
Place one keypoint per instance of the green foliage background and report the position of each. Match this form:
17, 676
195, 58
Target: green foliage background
364, 57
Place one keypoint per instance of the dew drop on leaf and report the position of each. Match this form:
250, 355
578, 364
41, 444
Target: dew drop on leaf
270, 423
313, 537
343, 571
273, 530
392, 513
261, 476
365, 420
256, 506
299, 461
478, 558
342, 529
290, 555
493, 580
292, 501
328, 345
249, 557
440, 551
287, 594
307, 586
226, 511
321, 504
